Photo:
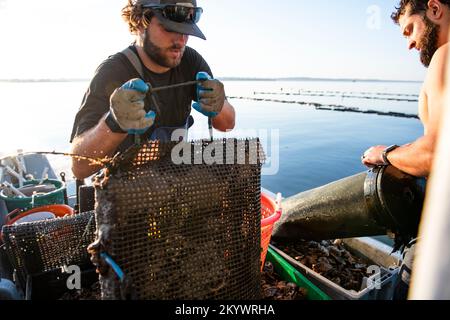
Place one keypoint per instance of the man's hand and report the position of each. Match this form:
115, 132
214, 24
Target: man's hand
210, 95
373, 157
127, 108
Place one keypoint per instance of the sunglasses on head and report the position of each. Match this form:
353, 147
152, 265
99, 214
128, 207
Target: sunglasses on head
178, 13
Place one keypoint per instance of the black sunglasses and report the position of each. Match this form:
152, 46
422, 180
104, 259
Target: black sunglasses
178, 13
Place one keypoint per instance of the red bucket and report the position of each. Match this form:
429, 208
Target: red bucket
37, 214
270, 214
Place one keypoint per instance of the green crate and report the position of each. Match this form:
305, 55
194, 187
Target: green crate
27, 203
289, 273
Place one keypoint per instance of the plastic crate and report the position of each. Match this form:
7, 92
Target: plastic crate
27, 203
383, 284
288, 273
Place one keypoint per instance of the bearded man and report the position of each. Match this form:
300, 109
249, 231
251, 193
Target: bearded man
117, 106
425, 25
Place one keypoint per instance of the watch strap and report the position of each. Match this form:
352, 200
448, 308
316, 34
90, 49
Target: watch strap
386, 152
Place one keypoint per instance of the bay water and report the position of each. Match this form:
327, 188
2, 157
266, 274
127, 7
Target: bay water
311, 147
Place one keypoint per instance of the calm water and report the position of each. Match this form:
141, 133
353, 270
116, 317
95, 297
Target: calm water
316, 147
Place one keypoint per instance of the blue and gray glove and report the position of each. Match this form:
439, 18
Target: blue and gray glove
210, 95
127, 108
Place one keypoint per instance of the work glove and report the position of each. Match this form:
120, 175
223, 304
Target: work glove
127, 108
210, 95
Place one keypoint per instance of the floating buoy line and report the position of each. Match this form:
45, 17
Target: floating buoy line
355, 93
338, 95
331, 107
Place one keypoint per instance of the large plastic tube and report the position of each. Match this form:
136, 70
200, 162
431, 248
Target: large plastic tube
371, 203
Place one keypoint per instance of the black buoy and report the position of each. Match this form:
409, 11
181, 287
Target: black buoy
371, 203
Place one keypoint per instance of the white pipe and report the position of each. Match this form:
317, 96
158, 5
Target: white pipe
21, 160
13, 189
44, 175
431, 273
15, 174
278, 202
21, 165
32, 200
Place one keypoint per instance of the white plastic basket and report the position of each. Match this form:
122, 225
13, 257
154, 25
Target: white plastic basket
376, 287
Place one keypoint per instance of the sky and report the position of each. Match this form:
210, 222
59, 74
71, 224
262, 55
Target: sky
245, 38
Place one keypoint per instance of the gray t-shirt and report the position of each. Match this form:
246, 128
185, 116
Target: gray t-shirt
175, 104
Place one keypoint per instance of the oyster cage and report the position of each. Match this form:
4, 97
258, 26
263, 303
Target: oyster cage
41, 247
185, 231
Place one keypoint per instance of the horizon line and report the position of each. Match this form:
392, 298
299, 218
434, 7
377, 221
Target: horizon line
226, 78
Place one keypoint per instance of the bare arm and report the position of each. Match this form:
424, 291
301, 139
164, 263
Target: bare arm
98, 142
415, 159
225, 120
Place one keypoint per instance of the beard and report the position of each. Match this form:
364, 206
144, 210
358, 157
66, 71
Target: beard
160, 55
429, 43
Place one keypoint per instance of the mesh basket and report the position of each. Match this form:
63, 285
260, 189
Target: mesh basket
39, 247
189, 231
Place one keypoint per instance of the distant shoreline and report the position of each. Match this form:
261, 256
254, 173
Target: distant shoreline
293, 79
317, 79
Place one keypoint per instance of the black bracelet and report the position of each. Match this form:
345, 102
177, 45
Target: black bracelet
112, 124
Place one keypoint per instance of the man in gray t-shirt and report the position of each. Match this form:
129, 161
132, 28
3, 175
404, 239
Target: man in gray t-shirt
117, 105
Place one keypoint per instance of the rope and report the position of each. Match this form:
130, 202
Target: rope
94, 161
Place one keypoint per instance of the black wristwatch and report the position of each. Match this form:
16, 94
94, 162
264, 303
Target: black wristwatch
112, 124
385, 154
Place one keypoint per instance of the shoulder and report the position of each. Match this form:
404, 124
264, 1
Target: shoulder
434, 89
440, 56
439, 61
114, 64
437, 69
112, 73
